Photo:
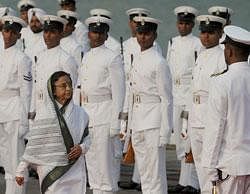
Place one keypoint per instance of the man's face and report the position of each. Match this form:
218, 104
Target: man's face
69, 28
10, 37
35, 25
146, 39
24, 16
68, 6
184, 27
132, 25
52, 37
210, 39
97, 38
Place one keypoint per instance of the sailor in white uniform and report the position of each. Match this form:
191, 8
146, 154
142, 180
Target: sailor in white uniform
151, 102
223, 12
81, 31
23, 7
210, 62
3, 12
68, 42
54, 58
227, 140
102, 85
35, 43
111, 42
182, 53
15, 95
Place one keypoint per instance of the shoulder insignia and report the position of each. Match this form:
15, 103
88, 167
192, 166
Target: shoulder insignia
220, 73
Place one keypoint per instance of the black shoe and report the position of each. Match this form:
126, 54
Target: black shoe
33, 173
176, 189
128, 185
2, 170
138, 187
190, 190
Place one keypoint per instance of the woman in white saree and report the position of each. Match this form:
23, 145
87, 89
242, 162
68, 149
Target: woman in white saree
57, 144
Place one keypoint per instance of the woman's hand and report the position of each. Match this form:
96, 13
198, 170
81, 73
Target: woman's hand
19, 180
75, 152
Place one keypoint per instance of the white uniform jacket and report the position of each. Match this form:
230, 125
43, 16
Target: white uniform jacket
35, 45
81, 35
130, 49
181, 55
48, 62
113, 44
209, 62
73, 48
151, 93
101, 76
15, 86
227, 140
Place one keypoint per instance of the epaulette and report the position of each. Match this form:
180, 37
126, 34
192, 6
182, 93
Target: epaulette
220, 73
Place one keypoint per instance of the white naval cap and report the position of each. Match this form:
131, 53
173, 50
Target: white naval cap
13, 22
39, 13
186, 12
7, 11
101, 12
221, 11
24, 5
98, 24
137, 12
53, 22
237, 36
208, 23
67, 14
146, 24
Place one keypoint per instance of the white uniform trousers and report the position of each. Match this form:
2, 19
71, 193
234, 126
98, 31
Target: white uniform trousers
101, 161
188, 175
136, 175
235, 185
196, 144
11, 149
151, 160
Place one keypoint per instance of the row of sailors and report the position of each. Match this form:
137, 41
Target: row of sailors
102, 72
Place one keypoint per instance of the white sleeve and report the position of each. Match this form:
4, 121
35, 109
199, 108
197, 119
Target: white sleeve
25, 80
71, 67
22, 169
117, 77
164, 84
215, 122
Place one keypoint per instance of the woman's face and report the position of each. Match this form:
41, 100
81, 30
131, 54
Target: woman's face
63, 89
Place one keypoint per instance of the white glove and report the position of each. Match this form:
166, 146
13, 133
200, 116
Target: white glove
123, 130
213, 174
113, 132
162, 142
184, 134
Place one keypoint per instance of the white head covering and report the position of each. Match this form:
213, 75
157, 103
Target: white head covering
101, 12
26, 3
37, 12
238, 34
7, 11
13, 19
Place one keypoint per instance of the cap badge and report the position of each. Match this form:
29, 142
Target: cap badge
142, 22
185, 13
207, 21
217, 12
